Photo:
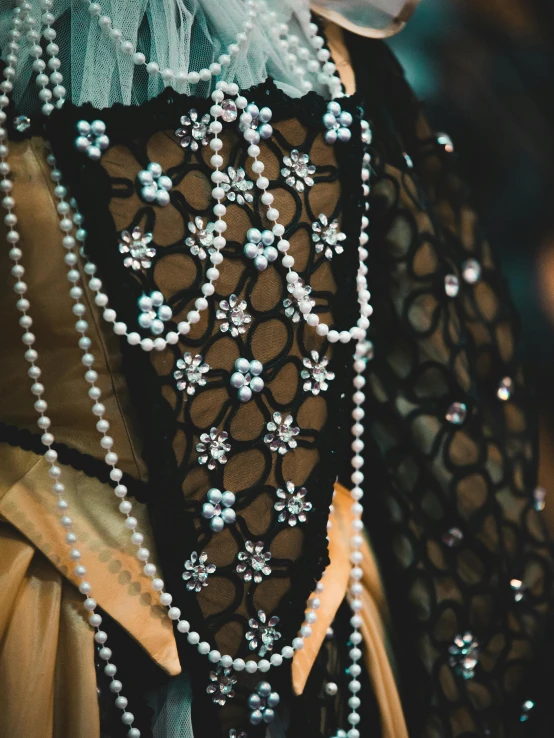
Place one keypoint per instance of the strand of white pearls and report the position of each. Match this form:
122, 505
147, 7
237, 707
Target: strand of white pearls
20, 16
175, 76
106, 441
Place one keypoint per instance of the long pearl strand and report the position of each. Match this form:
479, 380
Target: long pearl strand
107, 442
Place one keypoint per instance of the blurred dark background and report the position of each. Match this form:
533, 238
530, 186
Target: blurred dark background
485, 71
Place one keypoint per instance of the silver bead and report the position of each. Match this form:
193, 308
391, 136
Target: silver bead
215, 496
260, 262
257, 384
245, 394
265, 131
344, 135
256, 717
330, 137
227, 498
256, 367
331, 689
264, 689
242, 365
98, 127
229, 516
254, 702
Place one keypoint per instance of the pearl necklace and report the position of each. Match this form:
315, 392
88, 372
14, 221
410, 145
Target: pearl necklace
21, 16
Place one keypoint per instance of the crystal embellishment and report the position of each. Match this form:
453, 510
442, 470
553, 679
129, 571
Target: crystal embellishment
194, 130
539, 496
262, 635
154, 184
153, 312
291, 505
219, 509
190, 373
337, 122
197, 571
444, 140
505, 389
453, 537
254, 564
518, 588
298, 172
229, 111
22, 123
451, 285
282, 433
91, 139
456, 413
261, 703
526, 708
235, 734
315, 374
201, 238
327, 237
222, 685
464, 655
136, 248
213, 448
234, 316
236, 186
299, 303
259, 247
246, 379
471, 271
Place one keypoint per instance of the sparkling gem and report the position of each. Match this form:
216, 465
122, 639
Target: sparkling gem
137, 249
254, 562
263, 633
282, 433
229, 111
451, 285
453, 537
236, 186
505, 389
464, 655
443, 139
297, 170
197, 571
234, 316
539, 495
261, 703
213, 448
327, 236
518, 588
291, 505
300, 301
201, 238
22, 123
222, 686
190, 373
526, 708
471, 271
457, 413
194, 130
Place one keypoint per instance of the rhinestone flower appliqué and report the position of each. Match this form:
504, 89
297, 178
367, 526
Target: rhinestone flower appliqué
291, 505
337, 122
92, 139
222, 685
316, 374
262, 635
201, 239
259, 247
254, 562
464, 655
234, 316
236, 186
282, 433
190, 373
154, 184
299, 303
261, 704
193, 132
327, 236
213, 448
197, 571
135, 246
298, 172
219, 509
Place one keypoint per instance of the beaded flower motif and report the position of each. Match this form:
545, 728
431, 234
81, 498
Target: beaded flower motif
298, 171
213, 448
261, 704
262, 635
282, 433
236, 186
316, 374
154, 184
254, 562
257, 120
153, 312
327, 236
259, 247
201, 239
193, 132
190, 373
197, 571
92, 139
246, 378
136, 246
464, 655
337, 122
218, 509
300, 302
221, 687
291, 505
234, 316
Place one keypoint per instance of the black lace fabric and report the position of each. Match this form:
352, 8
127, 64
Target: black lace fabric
175, 422
452, 441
